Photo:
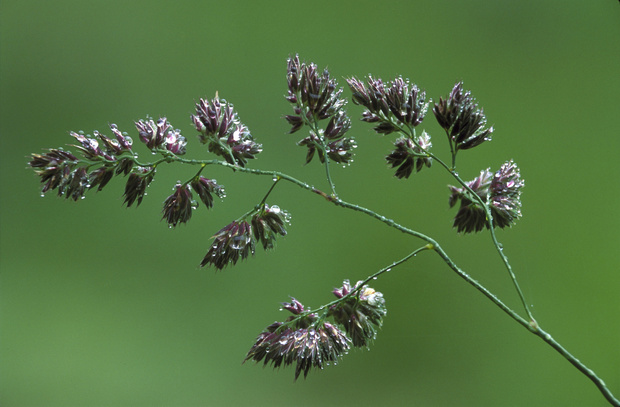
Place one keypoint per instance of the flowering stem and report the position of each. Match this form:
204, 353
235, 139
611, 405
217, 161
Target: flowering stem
311, 119
315, 128
262, 203
600, 384
260, 206
322, 310
496, 243
334, 198
453, 154
327, 174
396, 263
196, 176
531, 325
374, 276
409, 131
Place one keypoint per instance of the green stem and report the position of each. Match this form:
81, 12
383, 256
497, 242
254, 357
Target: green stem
396, 263
600, 384
410, 132
322, 310
531, 325
259, 207
323, 146
328, 175
452, 154
269, 192
374, 277
496, 243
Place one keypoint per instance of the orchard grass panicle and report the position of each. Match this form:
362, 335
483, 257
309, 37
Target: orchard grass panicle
312, 337
100, 177
221, 130
53, 168
138, 181
153, 134
500, 191
409, 155
505, 198
233, 242
205, 188
392, 106
316, 97
463, 121
178, 206
359, 314
396, 107
303, 339
268, 223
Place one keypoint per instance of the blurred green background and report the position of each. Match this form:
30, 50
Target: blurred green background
106, 306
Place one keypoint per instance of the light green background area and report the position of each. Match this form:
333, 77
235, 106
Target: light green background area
106, 306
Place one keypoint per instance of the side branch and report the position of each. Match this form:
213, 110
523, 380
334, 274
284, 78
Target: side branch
531, 326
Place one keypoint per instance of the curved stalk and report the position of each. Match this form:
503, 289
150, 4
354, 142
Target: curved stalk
432, 244
496, 243
361, 285
410, 133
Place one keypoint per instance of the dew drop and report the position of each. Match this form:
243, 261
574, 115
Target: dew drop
238, 243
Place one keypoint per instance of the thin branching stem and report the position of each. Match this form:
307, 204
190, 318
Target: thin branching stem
322, 310
409, 131
496, 243
315, 128
275, 182
374, 276
432, 244
530, 325
75, 183
328, 175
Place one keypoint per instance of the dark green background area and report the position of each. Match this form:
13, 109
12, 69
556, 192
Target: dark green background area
106, 306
